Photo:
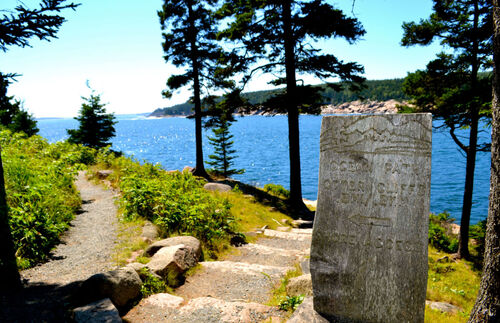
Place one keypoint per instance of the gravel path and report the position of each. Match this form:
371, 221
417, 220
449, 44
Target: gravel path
87, 246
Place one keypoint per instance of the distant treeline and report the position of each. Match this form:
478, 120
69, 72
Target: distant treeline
376, 90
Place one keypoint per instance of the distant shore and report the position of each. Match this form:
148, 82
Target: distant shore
354, 107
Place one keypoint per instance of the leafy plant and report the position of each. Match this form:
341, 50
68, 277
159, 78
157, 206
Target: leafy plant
41, 196
437, 232
175, 202
152, 285
290, 303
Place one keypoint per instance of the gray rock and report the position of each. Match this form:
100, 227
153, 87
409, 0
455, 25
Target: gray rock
218, 187
187, 241
102, 311
172, 262
443, 307
305, 313
103, 174
302, 223
300, 285
121, 286
188, 169
369, 247
138, 269
305, 265
149, 231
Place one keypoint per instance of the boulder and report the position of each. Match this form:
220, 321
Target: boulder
103, 174
121, 286
187, 241
217, 187
138, 269
149, 231
301, 285
305, 313
102, 311
171, 262
443, 307
302, 223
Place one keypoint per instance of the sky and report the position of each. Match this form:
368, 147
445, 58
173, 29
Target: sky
116, 46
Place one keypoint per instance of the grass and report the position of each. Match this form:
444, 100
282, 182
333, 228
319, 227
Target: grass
279, 292
129, 240
452, 282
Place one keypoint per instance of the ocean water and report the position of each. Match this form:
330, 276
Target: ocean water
262, 149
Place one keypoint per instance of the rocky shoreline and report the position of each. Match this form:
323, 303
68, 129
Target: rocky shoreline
354, 107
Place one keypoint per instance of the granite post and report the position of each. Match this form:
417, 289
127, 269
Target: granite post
369, 246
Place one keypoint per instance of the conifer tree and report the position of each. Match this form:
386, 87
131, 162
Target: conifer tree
189, 43
222, 159
96, 126
487, 306
16, 29
12, 116
278, 37
450, 87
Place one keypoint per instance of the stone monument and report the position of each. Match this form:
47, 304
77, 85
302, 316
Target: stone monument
369, 246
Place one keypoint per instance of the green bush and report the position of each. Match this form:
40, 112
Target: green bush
277, 190
290, 303
176, 202
152, 285
40, 192
437, 232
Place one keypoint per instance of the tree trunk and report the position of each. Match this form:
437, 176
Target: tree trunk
463, 242
200, 167
293, 113
9, 276
487, 306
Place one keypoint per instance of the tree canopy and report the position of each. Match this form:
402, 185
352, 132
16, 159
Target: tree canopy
189, 31
450, 87
16, 29
278, 37
96, 126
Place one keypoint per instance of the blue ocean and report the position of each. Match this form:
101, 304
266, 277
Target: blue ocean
262, 148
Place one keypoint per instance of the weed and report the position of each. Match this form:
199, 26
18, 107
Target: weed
290, 303
152, 284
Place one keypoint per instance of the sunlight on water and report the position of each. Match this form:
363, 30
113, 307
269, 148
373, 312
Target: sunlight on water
262, 149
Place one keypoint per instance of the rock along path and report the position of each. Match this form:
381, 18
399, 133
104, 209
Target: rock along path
232, 290
87, 247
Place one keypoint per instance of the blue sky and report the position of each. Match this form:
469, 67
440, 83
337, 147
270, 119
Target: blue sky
116, 45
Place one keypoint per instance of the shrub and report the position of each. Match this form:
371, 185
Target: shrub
175, 202
277, 190
437, 232
290, 303
40, 192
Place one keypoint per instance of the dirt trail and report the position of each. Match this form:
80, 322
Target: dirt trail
86, 249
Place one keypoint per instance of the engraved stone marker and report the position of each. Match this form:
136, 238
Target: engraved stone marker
369, 246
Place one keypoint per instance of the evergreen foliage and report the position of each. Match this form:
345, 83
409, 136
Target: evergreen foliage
278, 37
12, 116
16, 29
375, 90
222, 159
451, 87
96, 126
189, 33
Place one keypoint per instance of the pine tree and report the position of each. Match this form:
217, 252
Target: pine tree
450, 87
278, 37
15, 30
222, 159
189, 43
96, 126
12, 116
487, 307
